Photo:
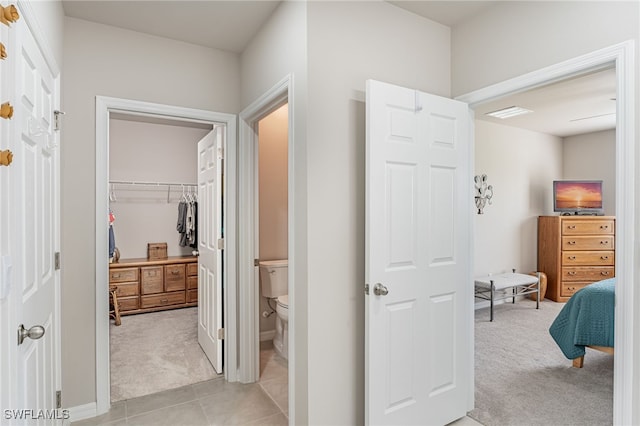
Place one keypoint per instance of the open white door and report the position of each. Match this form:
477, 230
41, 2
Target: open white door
210, 244
35, 226
418, 325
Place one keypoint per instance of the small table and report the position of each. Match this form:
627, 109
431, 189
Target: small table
520, 284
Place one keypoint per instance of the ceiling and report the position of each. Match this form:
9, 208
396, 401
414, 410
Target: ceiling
560, 109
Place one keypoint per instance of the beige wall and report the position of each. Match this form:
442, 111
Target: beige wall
273, 192
150, 152
521, 165
50, 17
350, 42
592, 156
107, 61
280, 49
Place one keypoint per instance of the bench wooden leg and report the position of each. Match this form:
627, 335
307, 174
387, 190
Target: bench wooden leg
114, 311
578, 362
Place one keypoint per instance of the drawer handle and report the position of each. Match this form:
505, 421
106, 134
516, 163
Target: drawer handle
572, 258
604, 273
571, 227
571, 243
604, 242
604, 226
604, 257
175, 272
571, 273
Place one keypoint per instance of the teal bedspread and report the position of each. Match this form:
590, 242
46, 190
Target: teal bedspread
586, 319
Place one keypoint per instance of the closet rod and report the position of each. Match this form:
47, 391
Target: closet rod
120, 182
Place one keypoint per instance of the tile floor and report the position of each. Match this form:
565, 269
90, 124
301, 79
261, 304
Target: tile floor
214, 402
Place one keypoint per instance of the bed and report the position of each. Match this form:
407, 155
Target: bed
587, 320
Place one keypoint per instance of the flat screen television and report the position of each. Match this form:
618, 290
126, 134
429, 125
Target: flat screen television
577, 197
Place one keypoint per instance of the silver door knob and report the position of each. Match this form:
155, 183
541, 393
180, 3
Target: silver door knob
35, 332
380, 290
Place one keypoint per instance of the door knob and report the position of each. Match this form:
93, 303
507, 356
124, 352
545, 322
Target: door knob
380, 290
35, 332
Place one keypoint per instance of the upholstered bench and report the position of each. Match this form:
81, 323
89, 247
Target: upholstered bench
520, 284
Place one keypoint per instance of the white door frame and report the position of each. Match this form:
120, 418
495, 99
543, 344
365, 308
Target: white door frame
104, 107
622, 56
249, 320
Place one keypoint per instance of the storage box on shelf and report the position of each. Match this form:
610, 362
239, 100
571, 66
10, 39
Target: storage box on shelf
145, 285
575, 251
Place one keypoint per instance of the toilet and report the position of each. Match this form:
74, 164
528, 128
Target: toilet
275, 285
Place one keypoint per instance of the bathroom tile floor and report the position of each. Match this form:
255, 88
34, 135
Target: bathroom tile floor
213, 402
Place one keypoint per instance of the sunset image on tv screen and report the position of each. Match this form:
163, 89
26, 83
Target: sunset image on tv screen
578, 195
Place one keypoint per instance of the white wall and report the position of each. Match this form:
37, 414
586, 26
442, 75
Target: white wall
50, 17
150, 152
280, 49
350, 42
108, 61
592, 156
521, 165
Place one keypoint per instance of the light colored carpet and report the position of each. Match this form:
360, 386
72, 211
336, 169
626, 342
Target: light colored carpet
523, 379
155, 352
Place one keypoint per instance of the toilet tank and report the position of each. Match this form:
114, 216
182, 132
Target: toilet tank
273, 278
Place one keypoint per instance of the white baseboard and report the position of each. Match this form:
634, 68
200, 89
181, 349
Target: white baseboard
82, 412
267, 335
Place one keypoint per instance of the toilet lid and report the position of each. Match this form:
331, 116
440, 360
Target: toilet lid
283, 301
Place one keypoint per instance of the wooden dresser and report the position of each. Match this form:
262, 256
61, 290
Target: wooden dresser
155, 285
575, 251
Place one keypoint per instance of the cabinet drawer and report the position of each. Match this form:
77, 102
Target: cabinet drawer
588, 258
126, 289
151, 281
128, 303
604, 242
192, 283
165, 299
174, 278
120, 275
192, 296
587, 227
569, 288
587, 273
192, 269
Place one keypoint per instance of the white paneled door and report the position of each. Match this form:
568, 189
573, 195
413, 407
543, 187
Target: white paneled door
418, 324
34, 232
210, 244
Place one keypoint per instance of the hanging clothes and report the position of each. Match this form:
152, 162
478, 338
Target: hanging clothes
187, 225
112, 236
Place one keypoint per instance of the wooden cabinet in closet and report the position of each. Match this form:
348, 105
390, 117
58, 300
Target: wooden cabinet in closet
153, 285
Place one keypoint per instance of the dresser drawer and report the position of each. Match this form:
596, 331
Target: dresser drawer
192, 296
174, 278
192, 269
192, 283
569, 288
587, 227
128, 303
588, 258
155, 300
125, 289
152, 280
586, 273
119, 275
605, 242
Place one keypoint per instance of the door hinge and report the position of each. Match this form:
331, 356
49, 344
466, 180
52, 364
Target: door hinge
57, 122
366, 289
220, 243
256, 262
221, 152
221, 334
58, 399
56, 260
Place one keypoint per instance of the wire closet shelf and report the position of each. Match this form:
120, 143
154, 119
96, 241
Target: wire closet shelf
188, 189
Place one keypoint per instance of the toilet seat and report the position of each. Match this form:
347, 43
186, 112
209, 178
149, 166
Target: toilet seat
283, 301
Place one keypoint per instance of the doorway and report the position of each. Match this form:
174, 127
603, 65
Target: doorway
105, 108
153, 200
621, 57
